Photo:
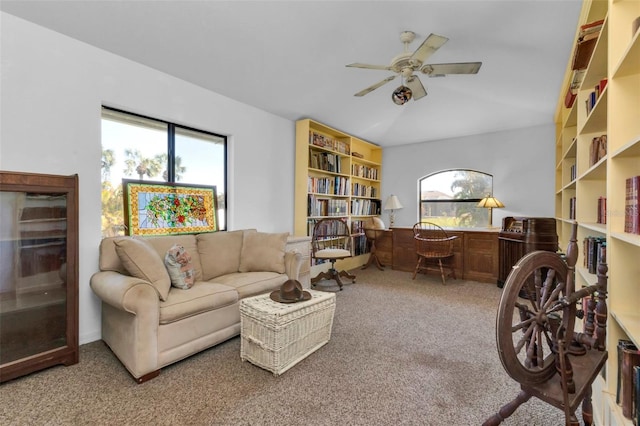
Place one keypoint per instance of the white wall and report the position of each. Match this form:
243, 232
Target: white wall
521, 162
52, 88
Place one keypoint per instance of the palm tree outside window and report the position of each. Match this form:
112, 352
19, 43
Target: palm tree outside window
138, 147
449, 198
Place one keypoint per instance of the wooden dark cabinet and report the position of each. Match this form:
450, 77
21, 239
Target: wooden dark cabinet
522, 235
38, 272
475, 253
480, 256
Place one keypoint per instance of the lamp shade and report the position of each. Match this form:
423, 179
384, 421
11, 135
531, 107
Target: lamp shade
490, 202
392, 203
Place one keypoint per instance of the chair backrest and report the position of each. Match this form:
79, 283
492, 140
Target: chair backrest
330, 233
432, 241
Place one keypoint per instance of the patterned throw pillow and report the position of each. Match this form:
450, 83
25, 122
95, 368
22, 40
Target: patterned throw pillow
178, 263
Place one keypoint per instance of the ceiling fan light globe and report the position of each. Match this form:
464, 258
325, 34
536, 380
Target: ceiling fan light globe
401, 95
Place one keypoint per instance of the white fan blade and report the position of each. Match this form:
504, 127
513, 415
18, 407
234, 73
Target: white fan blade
414, 83
428, 47
375, 86
434, 70
369, 67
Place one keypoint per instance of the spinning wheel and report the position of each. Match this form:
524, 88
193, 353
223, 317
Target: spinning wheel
530, 315
535, 334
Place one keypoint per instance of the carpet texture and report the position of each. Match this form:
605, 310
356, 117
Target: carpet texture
402, 352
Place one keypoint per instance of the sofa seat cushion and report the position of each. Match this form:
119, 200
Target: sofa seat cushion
203, 296
252, 283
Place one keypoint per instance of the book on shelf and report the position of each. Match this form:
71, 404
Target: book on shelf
595, 252
600, 87
632, 205
597, 149
628, 359
572, 208
327, 142
583, 52
590, 102
636, 401
590, 27
602, 210
587, 39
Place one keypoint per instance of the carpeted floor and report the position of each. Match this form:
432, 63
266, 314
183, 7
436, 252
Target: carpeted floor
402, 352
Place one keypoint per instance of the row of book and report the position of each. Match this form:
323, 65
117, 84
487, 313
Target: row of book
593, 97
595, 252
359, 190
325, 161
364, 171
573, 173
326, 206
628, 384
364, 207
327, 142
587, 39
597, 149
338, 185
632, 205
602, 210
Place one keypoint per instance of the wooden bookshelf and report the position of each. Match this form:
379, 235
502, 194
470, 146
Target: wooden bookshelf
614, 112
337, 175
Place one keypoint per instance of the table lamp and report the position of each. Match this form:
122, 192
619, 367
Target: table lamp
392, 204
490, 202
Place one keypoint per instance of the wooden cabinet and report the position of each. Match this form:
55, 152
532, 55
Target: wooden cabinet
475, 253
480, 256
583, 179
337, 175
39, 272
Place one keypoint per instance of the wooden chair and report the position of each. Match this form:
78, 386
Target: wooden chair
433, 245
331, 240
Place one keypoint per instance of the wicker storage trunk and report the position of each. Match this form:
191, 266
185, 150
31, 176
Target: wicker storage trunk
276, 336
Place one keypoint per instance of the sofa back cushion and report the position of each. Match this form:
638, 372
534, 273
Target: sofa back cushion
263, 252
142, 261
109, 260
188, 241
220, 252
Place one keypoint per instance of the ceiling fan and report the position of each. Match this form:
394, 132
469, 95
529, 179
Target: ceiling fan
408, 62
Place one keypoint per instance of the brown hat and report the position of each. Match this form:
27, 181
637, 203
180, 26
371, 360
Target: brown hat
290, 292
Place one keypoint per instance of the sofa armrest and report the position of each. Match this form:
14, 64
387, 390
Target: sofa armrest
292, 264
124, 292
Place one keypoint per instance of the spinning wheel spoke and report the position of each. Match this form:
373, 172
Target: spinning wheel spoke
523, 324
525, 337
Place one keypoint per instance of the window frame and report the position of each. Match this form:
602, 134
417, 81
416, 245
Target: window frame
452, 200
171, 150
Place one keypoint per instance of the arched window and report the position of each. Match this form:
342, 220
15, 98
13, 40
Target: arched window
449, 198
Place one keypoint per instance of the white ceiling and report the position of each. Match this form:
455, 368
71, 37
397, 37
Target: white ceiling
289, 57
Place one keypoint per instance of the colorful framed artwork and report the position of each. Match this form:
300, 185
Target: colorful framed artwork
161, 208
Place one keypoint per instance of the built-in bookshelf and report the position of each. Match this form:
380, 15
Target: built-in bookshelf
337, 175
597, 152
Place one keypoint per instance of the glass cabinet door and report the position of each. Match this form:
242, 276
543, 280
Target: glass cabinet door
38, 273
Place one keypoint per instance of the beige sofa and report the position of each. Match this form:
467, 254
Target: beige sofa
149, 323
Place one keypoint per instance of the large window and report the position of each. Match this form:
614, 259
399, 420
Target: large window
136, 147
449, 198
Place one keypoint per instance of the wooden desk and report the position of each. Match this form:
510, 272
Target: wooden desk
476, 252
